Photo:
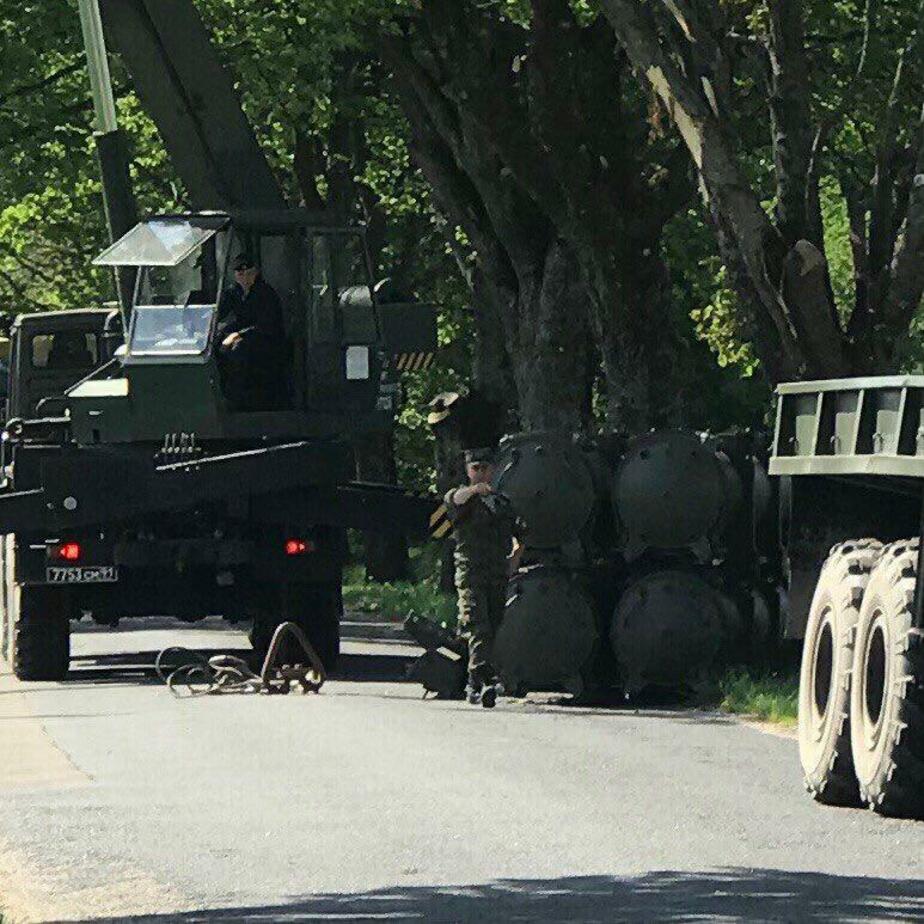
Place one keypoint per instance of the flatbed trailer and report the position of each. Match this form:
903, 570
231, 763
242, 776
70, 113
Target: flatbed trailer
850, 453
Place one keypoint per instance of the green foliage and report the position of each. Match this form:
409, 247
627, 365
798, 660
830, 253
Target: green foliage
837, 245
312, 65
700, 283
772, 697
401, 598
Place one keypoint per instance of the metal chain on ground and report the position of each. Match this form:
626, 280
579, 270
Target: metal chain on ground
223, 673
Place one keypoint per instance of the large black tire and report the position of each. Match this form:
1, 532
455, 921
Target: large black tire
40, 633
316, 609
824, 681
887, 700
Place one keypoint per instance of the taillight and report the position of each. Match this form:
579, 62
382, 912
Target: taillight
298, 546
69, 551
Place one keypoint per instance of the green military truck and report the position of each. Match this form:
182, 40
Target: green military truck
143, 489
850, 454
51, 350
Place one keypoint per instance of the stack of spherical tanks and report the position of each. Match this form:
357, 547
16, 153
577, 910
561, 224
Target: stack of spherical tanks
648, 561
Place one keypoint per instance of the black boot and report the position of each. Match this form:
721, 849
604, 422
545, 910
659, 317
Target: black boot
473, 689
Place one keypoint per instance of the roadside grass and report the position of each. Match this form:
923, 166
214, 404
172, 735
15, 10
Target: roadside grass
399, 599
771, 696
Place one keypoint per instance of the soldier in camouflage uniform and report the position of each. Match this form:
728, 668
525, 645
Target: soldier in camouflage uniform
483, 528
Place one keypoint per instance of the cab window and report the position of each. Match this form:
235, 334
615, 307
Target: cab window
171, 329
65, 350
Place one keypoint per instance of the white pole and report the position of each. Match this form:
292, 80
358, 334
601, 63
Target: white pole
98, 66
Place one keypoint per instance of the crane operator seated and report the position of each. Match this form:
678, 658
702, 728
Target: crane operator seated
251, 340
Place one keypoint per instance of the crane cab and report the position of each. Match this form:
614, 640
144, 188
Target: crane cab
335, 364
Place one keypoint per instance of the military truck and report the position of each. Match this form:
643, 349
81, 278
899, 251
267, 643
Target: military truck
850, 454
51, 350
143, 489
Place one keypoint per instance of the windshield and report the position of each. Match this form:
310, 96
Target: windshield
190, 281
176, 329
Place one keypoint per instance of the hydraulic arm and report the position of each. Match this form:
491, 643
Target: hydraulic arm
189, 95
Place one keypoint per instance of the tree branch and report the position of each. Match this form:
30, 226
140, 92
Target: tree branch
43, 84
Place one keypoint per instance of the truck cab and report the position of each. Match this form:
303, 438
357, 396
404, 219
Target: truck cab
51, 350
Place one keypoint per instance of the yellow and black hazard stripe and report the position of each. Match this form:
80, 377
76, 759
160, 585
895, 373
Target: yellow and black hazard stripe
440, 524
413, 362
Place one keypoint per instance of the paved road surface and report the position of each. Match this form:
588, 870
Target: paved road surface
366, 804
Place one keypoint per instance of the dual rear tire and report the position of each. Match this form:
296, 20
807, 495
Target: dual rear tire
861, 692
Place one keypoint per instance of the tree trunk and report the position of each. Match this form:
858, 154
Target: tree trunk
492, 376
547, 334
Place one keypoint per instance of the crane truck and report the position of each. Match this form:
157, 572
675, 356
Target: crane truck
133, 482
144, 489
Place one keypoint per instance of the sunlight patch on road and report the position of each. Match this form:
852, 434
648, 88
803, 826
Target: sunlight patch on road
31, 759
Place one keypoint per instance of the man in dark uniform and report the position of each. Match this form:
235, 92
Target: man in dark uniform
251, 338
483, 529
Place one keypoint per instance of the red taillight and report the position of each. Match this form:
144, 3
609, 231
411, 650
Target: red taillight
69, 551
298, 546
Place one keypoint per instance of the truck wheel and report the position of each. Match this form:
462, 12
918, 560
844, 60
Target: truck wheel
824, 680
316, 608
40, 640
887, 700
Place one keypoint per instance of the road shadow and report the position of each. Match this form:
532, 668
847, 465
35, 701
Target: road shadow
138, 666
664, 896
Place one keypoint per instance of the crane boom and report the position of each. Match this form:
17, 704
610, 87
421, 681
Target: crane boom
190, 96
111, 145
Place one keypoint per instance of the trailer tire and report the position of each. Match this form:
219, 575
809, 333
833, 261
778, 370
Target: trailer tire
40, 640
887, 700
824, 679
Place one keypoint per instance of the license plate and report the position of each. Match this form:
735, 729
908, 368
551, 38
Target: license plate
89, 574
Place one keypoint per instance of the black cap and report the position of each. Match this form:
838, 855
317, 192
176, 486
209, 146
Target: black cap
484, 455
244, 261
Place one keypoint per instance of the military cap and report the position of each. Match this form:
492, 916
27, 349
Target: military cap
441, 407
482, 454
245, 261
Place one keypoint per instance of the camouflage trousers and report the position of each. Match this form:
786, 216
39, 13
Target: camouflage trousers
481, 608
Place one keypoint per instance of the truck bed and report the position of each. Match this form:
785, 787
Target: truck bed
850, 427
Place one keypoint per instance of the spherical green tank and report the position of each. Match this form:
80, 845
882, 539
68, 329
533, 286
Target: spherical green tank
671, 490
548, 632
549, 484
667, 627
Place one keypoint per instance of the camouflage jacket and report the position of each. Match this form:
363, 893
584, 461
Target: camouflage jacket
483, 529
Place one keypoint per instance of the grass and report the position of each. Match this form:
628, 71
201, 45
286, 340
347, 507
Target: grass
767, 695
401, 598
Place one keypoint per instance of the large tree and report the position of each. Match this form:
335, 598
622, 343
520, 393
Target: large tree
535, 141
826, 95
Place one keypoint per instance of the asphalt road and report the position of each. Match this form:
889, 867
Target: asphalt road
365, 803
